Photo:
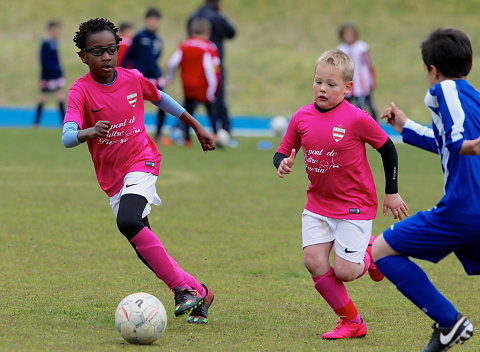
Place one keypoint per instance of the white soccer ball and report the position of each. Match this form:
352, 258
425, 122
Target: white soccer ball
279, 125
141, 318
223, 138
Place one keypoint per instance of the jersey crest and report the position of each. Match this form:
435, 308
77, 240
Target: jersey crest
132, 99
338, 133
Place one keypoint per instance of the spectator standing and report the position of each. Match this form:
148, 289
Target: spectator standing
126, 34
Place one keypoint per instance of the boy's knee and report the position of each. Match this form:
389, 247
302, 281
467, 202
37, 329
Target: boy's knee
129, 225
345, 275
317, 266
381, 248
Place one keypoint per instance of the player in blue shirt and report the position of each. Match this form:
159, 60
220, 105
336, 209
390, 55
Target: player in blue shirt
453, 225
144, 53
52, 80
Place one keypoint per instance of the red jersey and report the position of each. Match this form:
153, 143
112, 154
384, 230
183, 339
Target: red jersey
200, 69
124, 45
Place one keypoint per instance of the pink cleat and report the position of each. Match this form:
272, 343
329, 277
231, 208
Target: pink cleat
346, 330
373, 271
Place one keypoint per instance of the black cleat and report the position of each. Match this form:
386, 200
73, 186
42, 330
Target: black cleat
200, 314
444, 338
186, 299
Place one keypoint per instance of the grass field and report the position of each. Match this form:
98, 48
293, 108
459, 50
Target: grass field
270, 62
65, 266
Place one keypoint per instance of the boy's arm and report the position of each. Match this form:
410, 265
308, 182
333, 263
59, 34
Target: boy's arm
413, 133
392, 199
284, 158
168, 104
73, 136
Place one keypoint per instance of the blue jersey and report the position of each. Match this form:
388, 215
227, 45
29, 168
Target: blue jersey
49, 59
144, 52
455, 107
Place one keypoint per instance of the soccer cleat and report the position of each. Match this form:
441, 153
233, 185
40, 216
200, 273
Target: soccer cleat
186, 299
346, 330
373, 271
444, 338
187, 143
200, 314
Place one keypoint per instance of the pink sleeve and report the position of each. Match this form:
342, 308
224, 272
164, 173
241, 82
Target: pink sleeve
370, 131
291, 140
75, 107
149, 90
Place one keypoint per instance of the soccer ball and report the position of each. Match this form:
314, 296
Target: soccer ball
279, 125
223, 138
140, 318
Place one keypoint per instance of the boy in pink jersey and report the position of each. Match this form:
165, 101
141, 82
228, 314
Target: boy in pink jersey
341, 198
105, 108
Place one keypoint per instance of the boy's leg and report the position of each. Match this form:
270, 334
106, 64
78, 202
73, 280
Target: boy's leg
150, 249
422, 238
326, 282
38, 113
210, 107
189, 105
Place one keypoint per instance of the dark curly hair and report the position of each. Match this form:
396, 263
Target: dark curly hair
94, 26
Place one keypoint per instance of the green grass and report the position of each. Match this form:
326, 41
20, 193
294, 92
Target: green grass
270, 63
226, 218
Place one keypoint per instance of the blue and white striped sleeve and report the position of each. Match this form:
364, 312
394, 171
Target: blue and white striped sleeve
451, 114
420, 136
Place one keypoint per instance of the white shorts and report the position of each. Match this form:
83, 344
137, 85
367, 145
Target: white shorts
350, 237
141, 183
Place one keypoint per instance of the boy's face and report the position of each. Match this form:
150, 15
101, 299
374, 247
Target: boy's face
102, 68
54, 32
329, 87
152, 23
349, 36
432, 76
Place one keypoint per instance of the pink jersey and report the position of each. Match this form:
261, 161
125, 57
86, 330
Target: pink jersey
127, 147
341, 183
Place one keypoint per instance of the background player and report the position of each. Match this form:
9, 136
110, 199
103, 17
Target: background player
364, 75
52, 80
341, 198
200, 71
144, 53
126, 33
105, 108
222, 28
453, 224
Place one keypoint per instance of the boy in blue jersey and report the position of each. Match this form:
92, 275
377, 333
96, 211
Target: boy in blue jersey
144, 53
453, 225
52, 80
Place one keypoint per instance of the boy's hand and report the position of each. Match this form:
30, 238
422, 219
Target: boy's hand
396, 204
286, 165
205, 139
470, 147
395, 117
100, 129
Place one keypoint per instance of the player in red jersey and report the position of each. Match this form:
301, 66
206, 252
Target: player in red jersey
199, 62
105, 109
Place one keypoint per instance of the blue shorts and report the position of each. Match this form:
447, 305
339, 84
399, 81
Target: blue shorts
428, 236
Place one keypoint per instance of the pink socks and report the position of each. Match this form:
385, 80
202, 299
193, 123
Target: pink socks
335, 294
164, 266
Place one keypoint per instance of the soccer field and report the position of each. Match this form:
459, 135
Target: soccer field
226, 218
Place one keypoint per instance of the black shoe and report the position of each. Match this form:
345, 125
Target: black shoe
186, 299
200, 314
444, 338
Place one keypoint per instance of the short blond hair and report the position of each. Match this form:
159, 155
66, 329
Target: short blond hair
338, 59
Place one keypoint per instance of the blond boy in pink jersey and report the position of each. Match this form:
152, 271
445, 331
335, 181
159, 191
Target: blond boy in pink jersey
341, 198
105, 109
